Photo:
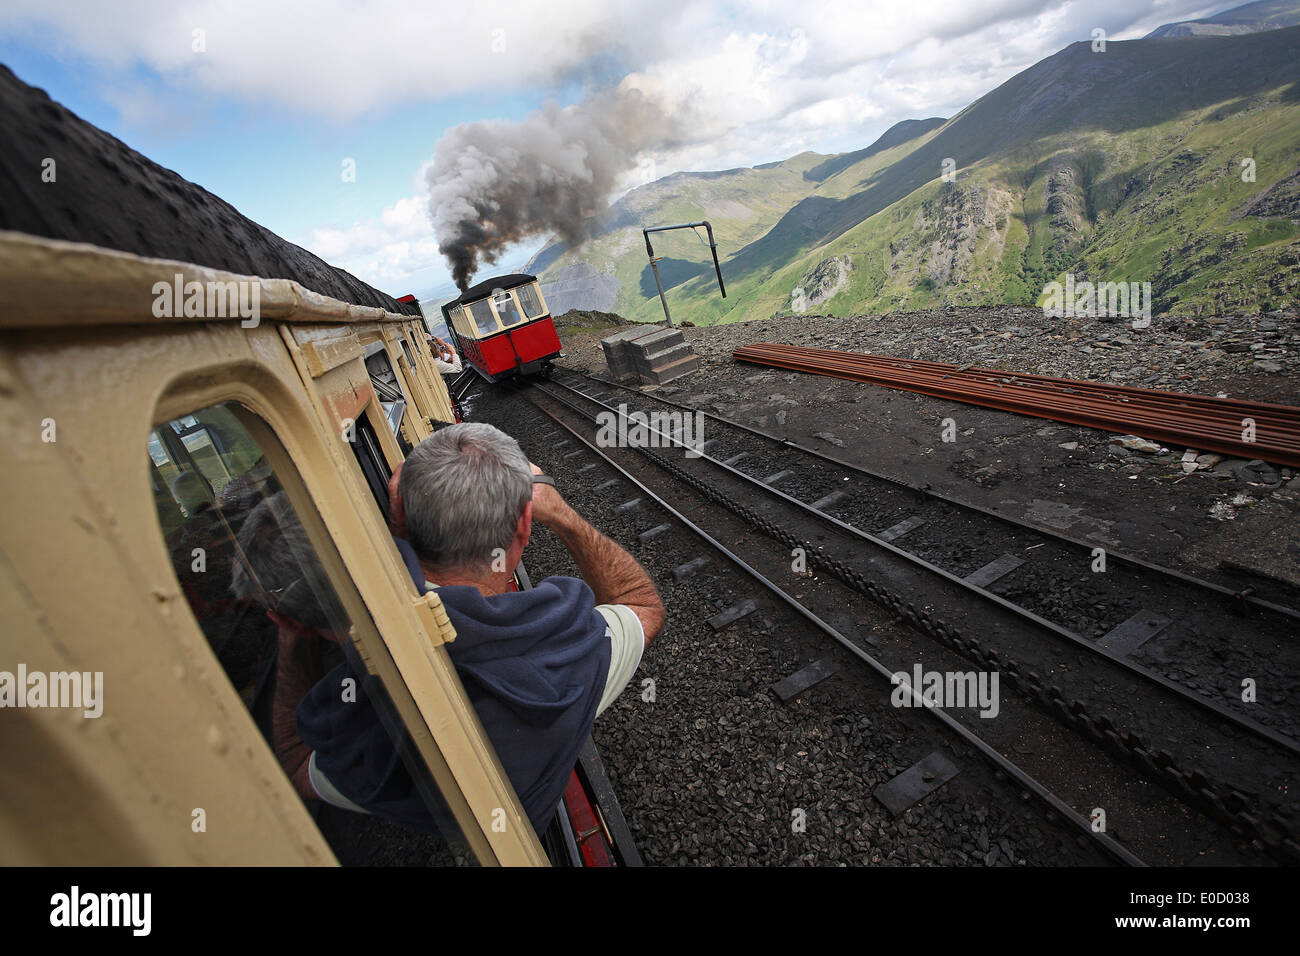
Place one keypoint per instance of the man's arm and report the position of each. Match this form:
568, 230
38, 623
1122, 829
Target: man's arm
613, 575
297, 661
445, 357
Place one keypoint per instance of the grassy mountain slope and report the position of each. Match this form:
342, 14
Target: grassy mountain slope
1248, 18
609, 271
1123, 165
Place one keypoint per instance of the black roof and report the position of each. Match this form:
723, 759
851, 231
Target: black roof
107, 194
481, 290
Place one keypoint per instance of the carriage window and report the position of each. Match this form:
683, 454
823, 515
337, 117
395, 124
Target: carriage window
456, 320
505, 304
383, 378
462, 321
271, 613
483, 317
374, 466
528, 298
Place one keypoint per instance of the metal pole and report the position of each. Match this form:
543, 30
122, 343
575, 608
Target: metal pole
654, 268
649, 251
662, 298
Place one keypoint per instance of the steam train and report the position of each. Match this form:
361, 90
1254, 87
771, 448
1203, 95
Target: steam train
142, 450
502, 327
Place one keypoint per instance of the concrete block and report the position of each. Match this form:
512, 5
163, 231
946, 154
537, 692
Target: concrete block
675, 370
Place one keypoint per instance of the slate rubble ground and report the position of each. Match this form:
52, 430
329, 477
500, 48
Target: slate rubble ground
1256, 357
710, 768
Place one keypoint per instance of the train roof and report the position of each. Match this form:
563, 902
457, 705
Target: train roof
106, 194
482, 290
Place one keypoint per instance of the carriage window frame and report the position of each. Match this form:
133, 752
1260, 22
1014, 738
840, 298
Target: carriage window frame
532, 289
508, 295
290, 476
452, 319
480, 331
407, 350
456, 320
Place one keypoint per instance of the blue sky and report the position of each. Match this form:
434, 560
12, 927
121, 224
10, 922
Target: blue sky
280, 167
282, 93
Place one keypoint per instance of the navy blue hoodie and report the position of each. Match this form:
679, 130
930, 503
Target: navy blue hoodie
534, 665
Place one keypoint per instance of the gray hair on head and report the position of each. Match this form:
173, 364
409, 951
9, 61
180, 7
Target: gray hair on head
464, 489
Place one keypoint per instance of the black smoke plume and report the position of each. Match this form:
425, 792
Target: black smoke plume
494, 183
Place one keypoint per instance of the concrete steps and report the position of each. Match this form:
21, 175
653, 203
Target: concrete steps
649, 354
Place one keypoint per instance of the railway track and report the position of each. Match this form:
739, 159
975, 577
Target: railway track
1116, 589
565, 444
1232, 426
1228, 766
463, 383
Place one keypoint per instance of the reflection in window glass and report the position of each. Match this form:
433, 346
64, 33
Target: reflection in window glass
271, 614
530, 301
484, 320
505, 304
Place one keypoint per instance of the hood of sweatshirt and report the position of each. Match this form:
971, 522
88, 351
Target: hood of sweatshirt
534, 665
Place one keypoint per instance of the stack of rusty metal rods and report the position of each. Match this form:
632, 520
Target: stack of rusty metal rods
1231, 426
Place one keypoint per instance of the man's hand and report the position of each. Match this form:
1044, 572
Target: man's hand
444, 350
613, 575
549, 506
396, 508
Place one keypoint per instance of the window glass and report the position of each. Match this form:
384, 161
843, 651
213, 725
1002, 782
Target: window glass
392, 399
272, 615
506, 308
529, 299
484, 320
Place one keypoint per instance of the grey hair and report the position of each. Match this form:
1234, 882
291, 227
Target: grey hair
464, 489
286, 576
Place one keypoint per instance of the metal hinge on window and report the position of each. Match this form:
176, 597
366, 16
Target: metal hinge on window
434, 616
362, 653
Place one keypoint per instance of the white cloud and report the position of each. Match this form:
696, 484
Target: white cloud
834, 73
336, 58
340, 58
383, 251
396, 250
764, 79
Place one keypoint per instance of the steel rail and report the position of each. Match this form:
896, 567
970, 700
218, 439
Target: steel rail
1275, 433
1071, 386
1224, 803
1194, 421
1253, 727
1067, 383
1121, 557
1150, 413
1104, 842
461, 385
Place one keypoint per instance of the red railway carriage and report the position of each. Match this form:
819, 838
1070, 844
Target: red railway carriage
502, 327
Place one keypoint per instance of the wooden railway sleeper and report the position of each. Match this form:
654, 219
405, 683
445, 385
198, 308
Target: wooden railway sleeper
1212, 798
